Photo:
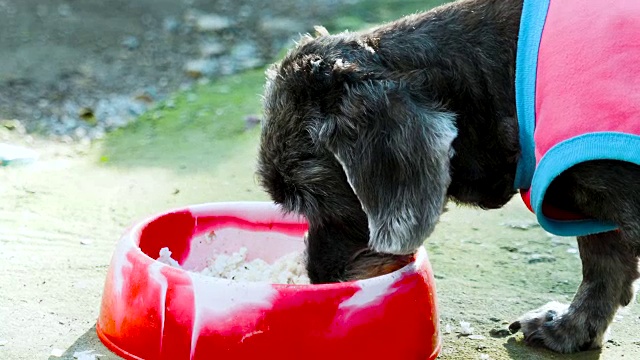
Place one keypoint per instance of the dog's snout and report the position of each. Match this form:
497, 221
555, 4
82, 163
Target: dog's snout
368, 264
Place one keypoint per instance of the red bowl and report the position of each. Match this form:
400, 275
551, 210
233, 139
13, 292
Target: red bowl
154, 311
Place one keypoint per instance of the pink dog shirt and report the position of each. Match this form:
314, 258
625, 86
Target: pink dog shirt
577, 97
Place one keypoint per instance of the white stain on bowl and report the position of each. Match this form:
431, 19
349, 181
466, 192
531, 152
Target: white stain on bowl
155, 273
370, 292
220, 298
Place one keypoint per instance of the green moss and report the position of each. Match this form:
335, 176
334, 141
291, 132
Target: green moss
368, 13
199, 126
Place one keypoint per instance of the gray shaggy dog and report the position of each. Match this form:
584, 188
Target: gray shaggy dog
368, 134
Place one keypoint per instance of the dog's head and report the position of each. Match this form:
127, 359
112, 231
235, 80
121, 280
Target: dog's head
350, 143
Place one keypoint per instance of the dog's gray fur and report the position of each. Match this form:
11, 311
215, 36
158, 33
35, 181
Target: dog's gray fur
367, 134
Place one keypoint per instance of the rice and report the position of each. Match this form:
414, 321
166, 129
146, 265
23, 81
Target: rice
165, 257
288, 269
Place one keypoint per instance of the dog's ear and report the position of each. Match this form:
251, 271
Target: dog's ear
395, 152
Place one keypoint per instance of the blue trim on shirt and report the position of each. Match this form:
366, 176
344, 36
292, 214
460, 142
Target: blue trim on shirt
592, 146
534, 15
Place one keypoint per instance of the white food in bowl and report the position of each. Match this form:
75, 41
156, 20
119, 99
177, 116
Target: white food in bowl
288, 269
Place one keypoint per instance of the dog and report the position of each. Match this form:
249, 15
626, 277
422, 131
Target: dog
369, 134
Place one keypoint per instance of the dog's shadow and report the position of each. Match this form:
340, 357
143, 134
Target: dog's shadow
517, 349
87, 342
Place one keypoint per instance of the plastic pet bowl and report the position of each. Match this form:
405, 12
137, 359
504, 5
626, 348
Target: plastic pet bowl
154, 311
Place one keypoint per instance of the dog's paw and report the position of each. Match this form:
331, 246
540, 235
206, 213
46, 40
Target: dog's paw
558, 328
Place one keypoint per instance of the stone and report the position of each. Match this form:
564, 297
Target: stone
499, 332
212, 23
212, 48
541, 258
199, 68
131, 42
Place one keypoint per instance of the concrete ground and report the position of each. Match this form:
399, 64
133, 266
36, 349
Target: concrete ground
61, 216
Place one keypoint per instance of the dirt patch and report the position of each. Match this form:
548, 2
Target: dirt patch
62, 216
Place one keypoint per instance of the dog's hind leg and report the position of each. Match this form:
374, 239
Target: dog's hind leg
609, 268
602, 190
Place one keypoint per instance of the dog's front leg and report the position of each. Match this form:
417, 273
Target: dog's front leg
609, 268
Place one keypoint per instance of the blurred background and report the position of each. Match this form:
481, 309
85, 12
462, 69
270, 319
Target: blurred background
77, 69
125, 108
